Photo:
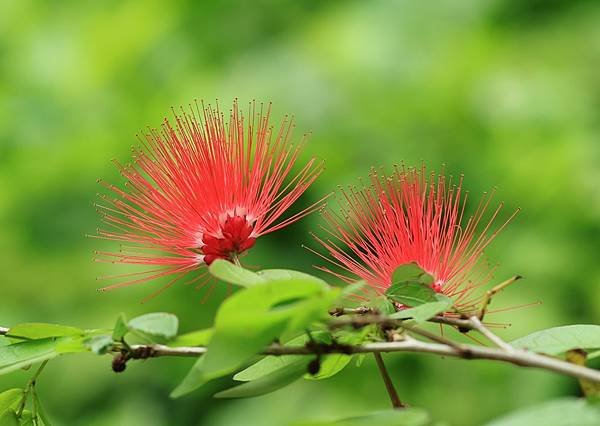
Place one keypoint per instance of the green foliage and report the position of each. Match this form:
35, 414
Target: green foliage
9, 399
121, 328
233, 274
267, 383
404, 417
558, 340
411, 286
411, 273
287, 274
272, 363
155, 326
329, 365
285, 302
422, 313
193, 338
411, 293
561, 412
9, 418
27, 418
593, 355
99, 344
23, 354
34, 330
383, 305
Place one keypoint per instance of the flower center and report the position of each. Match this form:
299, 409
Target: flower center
437, 286
236, 239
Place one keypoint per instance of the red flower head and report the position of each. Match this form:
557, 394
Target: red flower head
204, 189
411, 217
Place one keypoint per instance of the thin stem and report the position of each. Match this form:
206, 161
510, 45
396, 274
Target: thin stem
459, 323
236, 260
431, 336
387, 380
361, 310
518, 357
477, 325
29, 387
491, 293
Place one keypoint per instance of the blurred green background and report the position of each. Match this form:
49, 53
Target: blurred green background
506, 91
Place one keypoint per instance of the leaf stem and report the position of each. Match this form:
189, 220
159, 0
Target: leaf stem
30, 387
387, 380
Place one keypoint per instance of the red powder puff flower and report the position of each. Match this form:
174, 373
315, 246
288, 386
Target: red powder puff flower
204, 189
411, 217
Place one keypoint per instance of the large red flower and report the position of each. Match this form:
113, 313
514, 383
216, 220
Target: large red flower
202, 189
411, 216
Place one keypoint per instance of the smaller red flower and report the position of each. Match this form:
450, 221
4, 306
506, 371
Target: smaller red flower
204, 189
407, 217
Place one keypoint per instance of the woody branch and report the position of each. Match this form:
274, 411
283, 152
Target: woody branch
503, 353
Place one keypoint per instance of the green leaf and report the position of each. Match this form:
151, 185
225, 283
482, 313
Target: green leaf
383, 305
557, 340
40, 409
9, 418
593, 355
9, 399
560, 412
193, 338
360, 358
26, 418
404, 417
425, 311
411, 272
121, 328
22, 354
157, 324
99, 344
233, 274
411, 293
266, 384
192, 381
35, 330
330, 366
252, 318
68, 345
334, 363
271, 363
286, 274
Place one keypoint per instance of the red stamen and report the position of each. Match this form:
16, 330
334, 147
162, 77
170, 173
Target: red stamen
411, 216
204, 189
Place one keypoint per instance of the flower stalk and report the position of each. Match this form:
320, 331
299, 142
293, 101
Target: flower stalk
387, 380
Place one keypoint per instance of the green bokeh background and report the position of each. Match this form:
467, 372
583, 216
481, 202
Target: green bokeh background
505, 91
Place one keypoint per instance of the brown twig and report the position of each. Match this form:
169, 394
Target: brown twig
518, 357
387, 380
477, 325
361, 310
491, 293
